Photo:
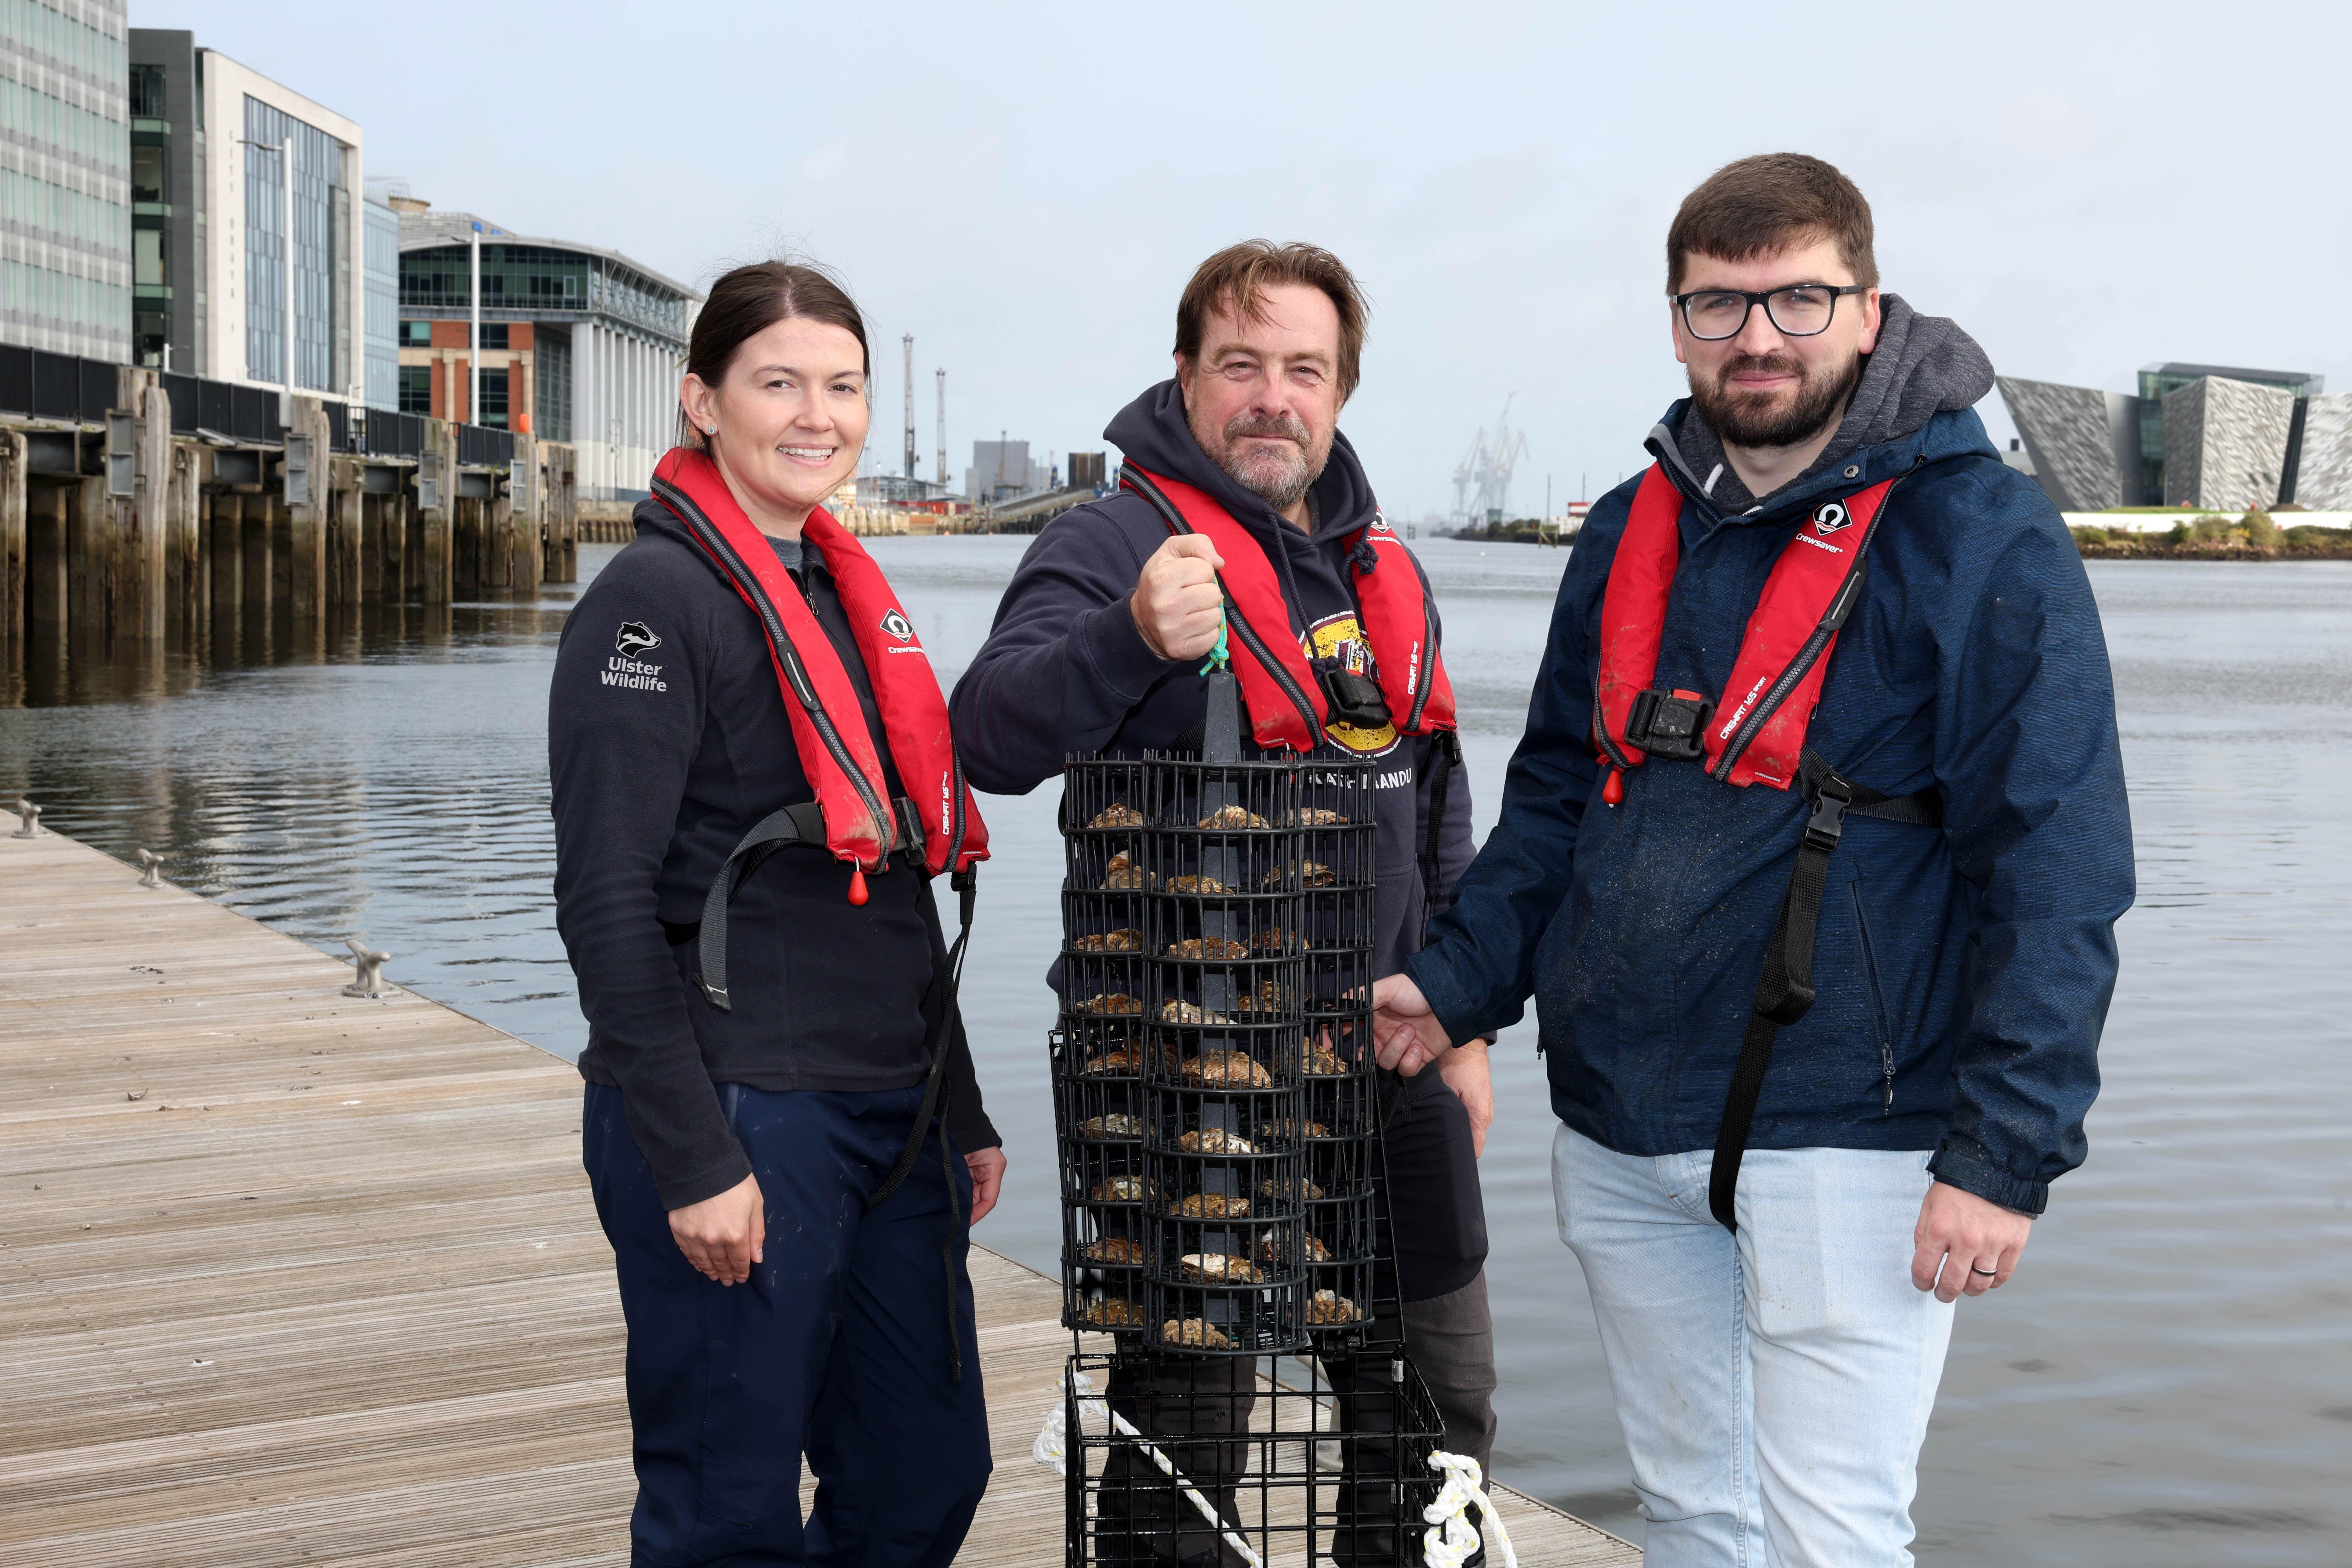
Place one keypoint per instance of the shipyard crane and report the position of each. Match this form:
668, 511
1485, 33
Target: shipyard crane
1482, 481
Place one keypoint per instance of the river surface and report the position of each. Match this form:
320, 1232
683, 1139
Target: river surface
2168, 1380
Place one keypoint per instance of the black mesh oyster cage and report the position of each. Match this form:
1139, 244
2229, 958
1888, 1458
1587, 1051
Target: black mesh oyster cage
1160, 1469
1215, 1093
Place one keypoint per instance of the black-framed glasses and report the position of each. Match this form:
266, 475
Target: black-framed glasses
1798, 311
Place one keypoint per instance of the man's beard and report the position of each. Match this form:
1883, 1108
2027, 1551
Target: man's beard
1750, 419
1277, 475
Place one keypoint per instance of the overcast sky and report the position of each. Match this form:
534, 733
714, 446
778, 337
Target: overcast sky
2086, 189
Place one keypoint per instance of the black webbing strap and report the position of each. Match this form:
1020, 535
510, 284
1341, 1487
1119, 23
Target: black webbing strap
936, 1097
1784, 992
1449, 757
799, 823
802, 822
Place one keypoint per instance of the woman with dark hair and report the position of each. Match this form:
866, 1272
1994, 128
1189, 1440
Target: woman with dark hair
754, 785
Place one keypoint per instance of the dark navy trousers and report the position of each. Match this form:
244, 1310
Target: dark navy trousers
837, 1347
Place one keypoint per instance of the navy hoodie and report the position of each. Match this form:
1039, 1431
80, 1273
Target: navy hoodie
1065, 669
657, 777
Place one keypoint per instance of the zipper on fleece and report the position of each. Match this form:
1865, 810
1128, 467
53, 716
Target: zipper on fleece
1877, 993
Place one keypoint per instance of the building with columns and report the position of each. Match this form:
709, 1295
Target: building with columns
579, 344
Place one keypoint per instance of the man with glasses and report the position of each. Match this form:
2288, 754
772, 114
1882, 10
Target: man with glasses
1811, 857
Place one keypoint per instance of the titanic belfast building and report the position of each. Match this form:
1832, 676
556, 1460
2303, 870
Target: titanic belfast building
2210, 437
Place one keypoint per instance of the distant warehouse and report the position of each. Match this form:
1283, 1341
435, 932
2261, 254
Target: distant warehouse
579, 344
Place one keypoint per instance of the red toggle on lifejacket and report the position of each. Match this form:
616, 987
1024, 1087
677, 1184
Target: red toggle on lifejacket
829, 729
1756, 733
1285, 700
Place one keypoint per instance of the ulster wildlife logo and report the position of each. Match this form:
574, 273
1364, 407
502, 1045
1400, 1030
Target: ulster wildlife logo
1830, 516
635, 638
895, 625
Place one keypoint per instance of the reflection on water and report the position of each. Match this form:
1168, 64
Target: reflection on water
2166, 1381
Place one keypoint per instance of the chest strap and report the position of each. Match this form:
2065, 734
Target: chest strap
1784, 992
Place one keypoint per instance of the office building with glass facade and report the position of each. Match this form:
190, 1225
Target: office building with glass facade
211, 141
579, 344
66, 242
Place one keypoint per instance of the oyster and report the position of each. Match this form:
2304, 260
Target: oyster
1208, 947
1214, 1205
1289, 1187
1121, 1250
1284, 1128
1214, 1140
1196, 885
1124, 1190
1118, 1124
1119, 1061
1230, 817
1113, 1312
1118, 813
1312, 816
1123, 873
1116, 1004
1331, 1307
1217, 1269
1120, 941
1274, 1249
1176, 1012
1194, 1332
1226, 1068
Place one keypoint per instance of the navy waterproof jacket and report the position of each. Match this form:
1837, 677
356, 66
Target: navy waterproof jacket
1963, 973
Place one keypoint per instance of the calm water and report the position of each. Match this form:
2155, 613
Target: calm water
2166, 1381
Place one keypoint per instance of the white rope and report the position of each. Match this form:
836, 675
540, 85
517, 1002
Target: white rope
1449, 1541
1051, 1447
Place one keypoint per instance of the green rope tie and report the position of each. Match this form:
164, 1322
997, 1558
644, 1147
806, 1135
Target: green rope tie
1218, 658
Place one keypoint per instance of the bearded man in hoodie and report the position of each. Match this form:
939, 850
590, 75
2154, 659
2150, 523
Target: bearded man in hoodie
1776, 1204
1098, 647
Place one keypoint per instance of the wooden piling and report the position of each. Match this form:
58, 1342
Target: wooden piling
13, 512
436, 481
225, 555
139, 522
48, 601
260, 581
345, 531
303, 499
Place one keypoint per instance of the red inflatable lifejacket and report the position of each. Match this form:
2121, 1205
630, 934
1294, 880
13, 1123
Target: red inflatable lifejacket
837, 753
1286, 703
1757, 733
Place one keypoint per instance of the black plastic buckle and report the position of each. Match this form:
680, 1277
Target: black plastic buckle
1670, 724
1353, 700
1827, 825
911, 828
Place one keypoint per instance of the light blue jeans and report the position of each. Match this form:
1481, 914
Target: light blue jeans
1774, 1386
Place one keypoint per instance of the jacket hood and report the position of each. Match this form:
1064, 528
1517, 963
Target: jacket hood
1923, 366
1152, 432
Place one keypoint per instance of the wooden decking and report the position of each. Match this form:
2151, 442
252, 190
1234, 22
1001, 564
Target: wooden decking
287, 1277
